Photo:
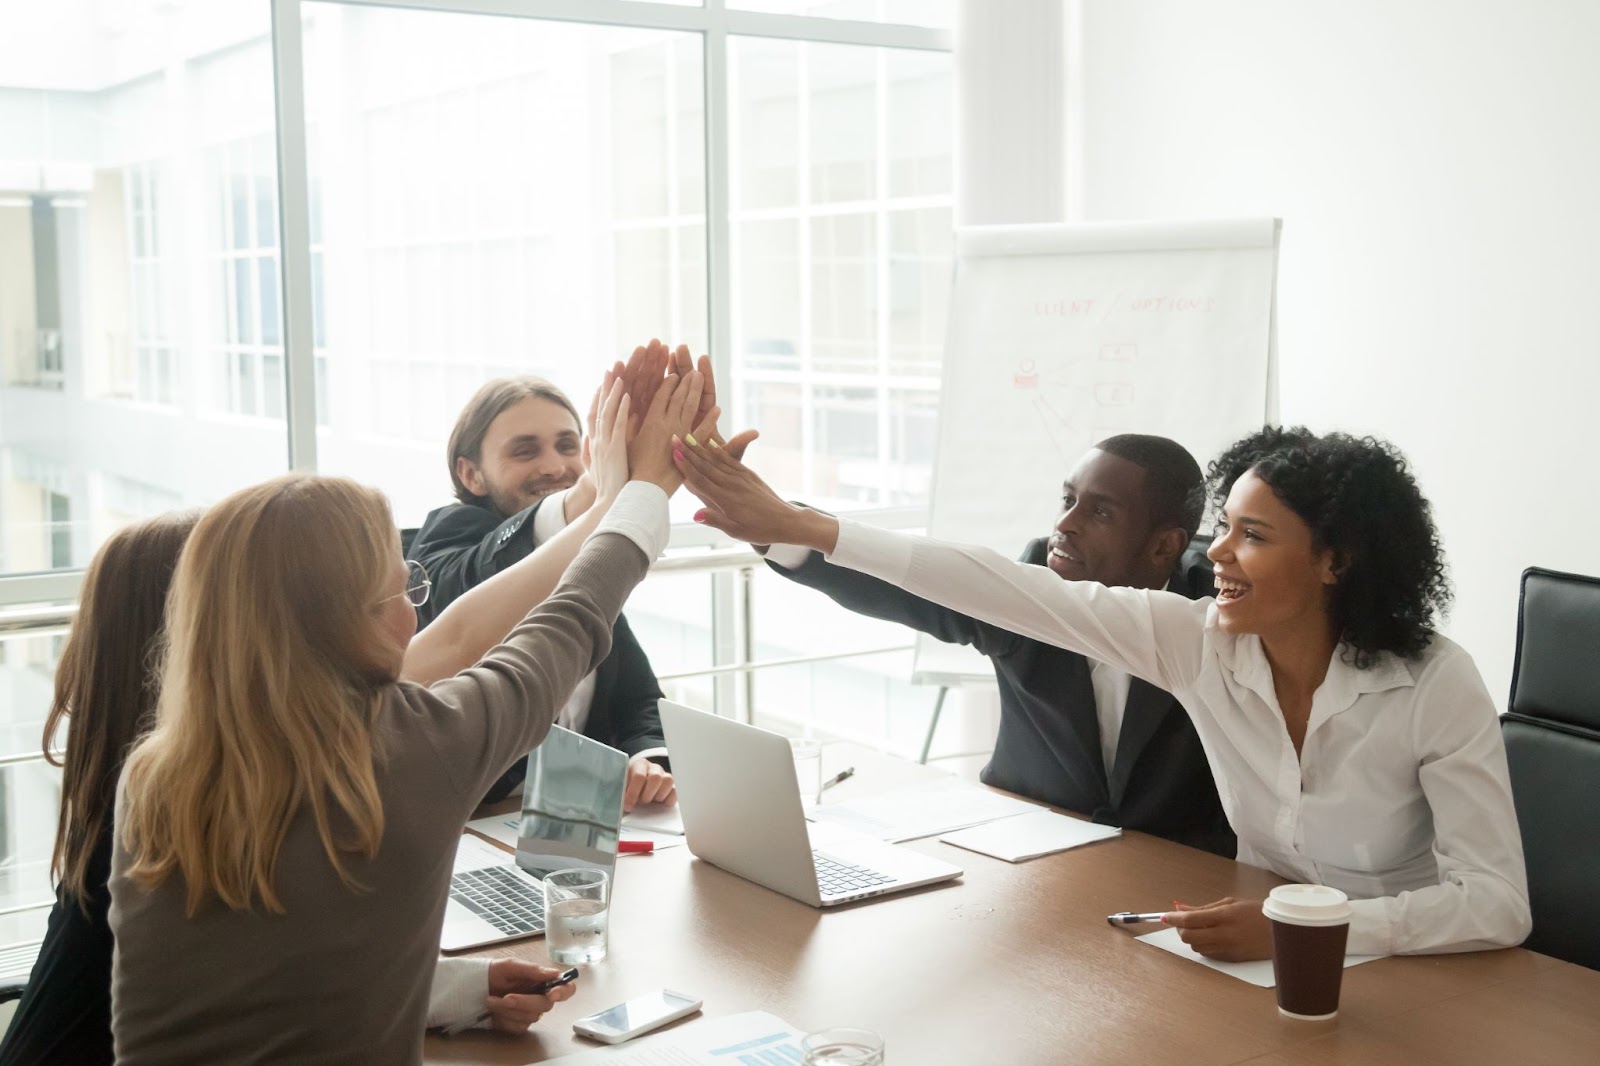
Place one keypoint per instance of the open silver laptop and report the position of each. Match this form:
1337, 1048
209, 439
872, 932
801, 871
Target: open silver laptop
741, 811
571, 817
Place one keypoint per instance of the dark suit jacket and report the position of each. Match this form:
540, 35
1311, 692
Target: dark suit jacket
462, 545
1048, 747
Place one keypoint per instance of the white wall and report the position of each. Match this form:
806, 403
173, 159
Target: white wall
1437, 167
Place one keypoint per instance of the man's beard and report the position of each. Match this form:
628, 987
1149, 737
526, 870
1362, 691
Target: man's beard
507, 503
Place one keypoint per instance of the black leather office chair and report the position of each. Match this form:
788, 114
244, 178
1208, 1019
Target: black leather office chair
1195, 568
1552, 735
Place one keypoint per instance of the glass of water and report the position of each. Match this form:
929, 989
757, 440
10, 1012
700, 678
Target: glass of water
842, 1047
577, 905
807, 767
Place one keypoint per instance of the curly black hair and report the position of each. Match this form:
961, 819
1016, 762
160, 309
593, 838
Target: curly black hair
1360, 499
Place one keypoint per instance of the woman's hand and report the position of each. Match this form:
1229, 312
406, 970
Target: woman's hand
608, 439
682, 364
642, 377
740, 504
511, 1006
671, 413
1229, 930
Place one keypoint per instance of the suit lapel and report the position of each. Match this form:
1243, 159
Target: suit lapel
1146, 707
1085, 726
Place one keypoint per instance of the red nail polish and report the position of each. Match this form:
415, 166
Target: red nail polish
678, 455
700, 515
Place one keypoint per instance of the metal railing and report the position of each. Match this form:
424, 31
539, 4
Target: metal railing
742, 562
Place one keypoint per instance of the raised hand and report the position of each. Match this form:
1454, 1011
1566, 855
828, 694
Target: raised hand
642, 376
671, 414
581, 496
608, 439
742, 505
682, 364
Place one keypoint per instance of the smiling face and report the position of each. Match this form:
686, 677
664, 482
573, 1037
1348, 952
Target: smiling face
1272, 579
1104, 530
532, 448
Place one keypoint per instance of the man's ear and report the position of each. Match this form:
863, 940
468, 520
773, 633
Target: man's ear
1167, 547
471, 476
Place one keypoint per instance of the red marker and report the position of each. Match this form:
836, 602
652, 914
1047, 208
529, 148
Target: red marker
636, 847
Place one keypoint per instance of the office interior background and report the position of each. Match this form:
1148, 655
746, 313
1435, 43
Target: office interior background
472, 188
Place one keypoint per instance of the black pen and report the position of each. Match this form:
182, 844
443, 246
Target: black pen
1129, 918
842, 775
565, 977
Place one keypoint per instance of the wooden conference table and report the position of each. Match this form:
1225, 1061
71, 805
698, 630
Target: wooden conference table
1014, 965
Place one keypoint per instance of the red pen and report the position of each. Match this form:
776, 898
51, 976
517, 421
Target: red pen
635, 847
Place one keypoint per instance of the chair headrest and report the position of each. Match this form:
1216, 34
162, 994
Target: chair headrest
1196, 568
1557, 672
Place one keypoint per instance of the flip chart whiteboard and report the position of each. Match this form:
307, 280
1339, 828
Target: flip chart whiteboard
1064, 335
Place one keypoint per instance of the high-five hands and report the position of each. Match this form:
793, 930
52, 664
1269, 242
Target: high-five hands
742, 505
679, 393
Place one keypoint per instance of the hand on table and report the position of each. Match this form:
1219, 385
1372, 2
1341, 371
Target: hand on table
647, 782
1229, 930
511, 1005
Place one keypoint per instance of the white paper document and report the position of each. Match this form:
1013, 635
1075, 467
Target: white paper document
1028, 836
921, 812
1257, 973
755, 1038
655, 817
506, 827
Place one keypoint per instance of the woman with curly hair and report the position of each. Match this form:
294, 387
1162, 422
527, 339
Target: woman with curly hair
1352, 745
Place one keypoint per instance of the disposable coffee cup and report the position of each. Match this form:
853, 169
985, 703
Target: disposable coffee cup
1310, 924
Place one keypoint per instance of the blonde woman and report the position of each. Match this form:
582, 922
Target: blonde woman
104, 701
284, 834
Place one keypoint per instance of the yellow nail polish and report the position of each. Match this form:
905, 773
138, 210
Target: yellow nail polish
690, 438
714, 443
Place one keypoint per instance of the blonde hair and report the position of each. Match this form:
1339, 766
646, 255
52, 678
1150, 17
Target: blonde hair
269, 688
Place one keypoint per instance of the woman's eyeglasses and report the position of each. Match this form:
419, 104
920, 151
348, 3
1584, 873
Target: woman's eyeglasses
418, 584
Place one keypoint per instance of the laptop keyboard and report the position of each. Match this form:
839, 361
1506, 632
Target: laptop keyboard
501, 898
841, 879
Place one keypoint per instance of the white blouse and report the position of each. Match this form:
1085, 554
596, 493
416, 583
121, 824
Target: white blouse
1400, 796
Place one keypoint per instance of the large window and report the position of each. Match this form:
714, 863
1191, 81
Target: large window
485, 195
841, 196
500, 196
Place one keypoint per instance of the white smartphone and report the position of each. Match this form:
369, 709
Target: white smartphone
628, 1020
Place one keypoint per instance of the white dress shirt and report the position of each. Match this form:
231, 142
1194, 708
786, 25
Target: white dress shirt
1110, 685
1400, 796
1110, 700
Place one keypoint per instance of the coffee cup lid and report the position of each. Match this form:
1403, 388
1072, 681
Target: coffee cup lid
1307, 905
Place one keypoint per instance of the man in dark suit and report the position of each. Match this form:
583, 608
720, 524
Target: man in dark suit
516, 463
1074, 733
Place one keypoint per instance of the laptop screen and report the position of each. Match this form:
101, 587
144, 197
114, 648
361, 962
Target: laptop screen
571, 804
